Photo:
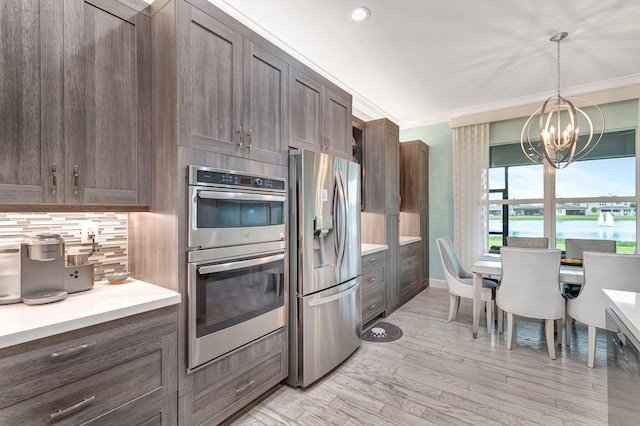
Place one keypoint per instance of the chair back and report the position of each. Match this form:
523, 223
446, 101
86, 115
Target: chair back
450, 261
528, 242
530, 283
459, 282
575, 247
603, 270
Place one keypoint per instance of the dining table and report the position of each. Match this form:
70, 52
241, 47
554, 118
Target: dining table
490, 265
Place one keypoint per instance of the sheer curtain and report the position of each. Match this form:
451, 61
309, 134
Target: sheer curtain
471, 191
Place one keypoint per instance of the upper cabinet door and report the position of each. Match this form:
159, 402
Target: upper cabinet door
213, 85
305, 111
265, 105
106, 103
31, 80
337, 118
392, 160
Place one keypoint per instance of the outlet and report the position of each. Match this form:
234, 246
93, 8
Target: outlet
88, 232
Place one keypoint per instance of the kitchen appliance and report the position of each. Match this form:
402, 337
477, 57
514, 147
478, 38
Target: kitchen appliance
228, 208
78, 277
42, 269
623, 372
237, 265
325, 315
10, 273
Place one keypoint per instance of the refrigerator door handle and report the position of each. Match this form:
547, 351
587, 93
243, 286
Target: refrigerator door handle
340, 213
331, 298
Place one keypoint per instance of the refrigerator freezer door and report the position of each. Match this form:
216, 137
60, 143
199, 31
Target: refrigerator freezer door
331, 326
327, 220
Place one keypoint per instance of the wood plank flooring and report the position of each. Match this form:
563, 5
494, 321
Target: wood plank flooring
436, 374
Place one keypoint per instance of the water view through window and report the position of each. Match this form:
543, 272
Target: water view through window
594, 198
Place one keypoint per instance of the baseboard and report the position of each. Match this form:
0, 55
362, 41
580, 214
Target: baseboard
434, 283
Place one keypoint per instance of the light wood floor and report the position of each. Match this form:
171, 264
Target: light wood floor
436, 374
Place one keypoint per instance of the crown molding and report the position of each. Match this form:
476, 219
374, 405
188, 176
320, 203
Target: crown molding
606, 91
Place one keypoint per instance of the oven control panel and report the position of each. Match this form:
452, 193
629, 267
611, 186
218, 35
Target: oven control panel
207, 176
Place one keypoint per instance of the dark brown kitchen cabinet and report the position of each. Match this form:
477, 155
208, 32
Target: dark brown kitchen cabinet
408, 267
382, 200
392, 231
236, 91
319, 116
373, 286
76, 102
414, 209
118, 372
107, 103
31, 107
233, 380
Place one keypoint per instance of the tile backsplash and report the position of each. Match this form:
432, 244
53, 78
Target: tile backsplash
111, 241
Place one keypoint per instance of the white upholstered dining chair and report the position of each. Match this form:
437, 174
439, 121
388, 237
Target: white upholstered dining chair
575, 247
528, 242
601, 270
530, 287
460, 282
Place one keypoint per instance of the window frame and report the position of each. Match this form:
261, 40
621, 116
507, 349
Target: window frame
549, 200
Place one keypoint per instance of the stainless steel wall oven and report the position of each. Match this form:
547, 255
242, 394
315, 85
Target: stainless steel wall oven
237, 261
229, 208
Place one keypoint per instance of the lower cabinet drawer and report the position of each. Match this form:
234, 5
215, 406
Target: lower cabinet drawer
210, 401
32, 368
372, 260
372, 301
93, 396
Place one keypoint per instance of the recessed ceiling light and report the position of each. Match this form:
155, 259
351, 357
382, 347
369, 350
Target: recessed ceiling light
360, 14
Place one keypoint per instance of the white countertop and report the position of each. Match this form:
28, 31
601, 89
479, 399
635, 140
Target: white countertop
20, 323
626, 304
372, 248
405, 239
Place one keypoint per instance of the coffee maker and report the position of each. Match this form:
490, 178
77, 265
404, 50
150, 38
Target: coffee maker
42, 269
44, 278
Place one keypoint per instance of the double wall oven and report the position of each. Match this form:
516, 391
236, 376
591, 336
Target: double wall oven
237, 264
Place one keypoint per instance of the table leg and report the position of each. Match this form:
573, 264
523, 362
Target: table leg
477, 304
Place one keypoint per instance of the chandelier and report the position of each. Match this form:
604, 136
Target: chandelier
560, 123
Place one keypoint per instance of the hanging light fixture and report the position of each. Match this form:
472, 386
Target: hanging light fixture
560, 123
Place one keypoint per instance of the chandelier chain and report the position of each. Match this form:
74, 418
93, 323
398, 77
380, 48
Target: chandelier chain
558, 68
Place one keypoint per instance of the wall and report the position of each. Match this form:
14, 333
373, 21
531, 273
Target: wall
439, 138
112, 235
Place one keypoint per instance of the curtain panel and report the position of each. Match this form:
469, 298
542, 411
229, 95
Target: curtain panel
471, 192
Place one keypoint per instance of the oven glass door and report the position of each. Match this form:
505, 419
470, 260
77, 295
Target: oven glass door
221, 218
234, 303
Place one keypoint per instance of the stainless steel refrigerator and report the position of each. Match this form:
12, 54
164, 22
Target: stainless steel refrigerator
324, 259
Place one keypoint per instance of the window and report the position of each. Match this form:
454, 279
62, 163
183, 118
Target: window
594, 198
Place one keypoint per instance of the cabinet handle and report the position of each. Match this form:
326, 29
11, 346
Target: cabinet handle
371, 307
373, 259
72, 351
328, 144
54, 178
371, 280
244, 387
74, 407
75, 180
250, 140
323, 143
239, 134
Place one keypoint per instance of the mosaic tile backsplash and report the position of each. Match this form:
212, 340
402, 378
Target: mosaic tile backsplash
111, 241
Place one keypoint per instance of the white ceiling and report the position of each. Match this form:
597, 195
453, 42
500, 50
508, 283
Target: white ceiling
423, 61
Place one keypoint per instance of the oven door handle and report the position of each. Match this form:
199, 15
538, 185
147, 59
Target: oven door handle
209, 269
218, 195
